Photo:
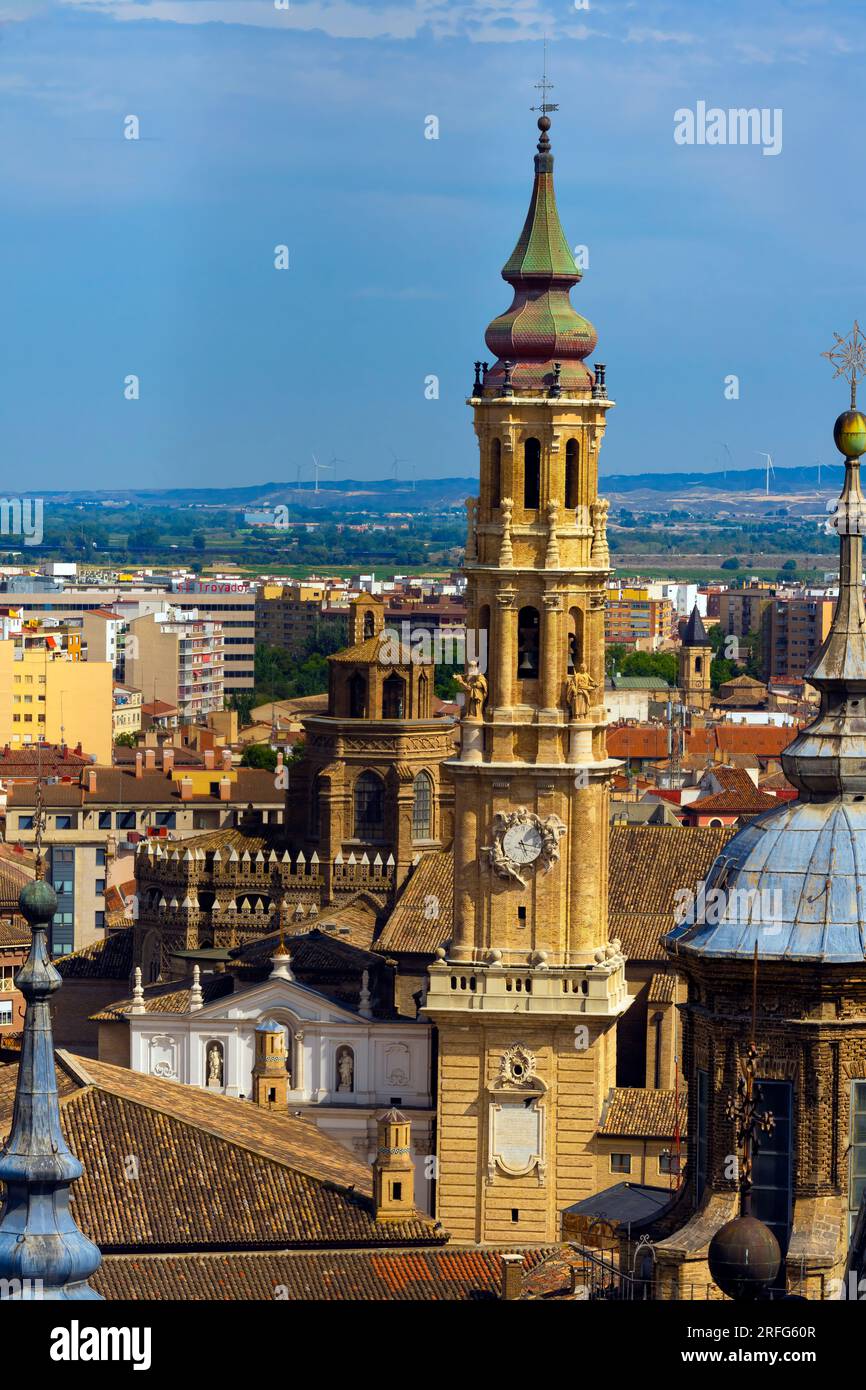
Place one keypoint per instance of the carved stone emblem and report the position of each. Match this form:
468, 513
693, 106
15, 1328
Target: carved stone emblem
518, 1066
523, 842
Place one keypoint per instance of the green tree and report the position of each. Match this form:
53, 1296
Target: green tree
259, 755
126, 741
731, 564
614, 656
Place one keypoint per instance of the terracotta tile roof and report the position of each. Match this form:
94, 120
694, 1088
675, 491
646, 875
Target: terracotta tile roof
53, 759
648, 863
631, 1112
423, 916
730, 802
14, 933
170, 997
381, 1276
119, 786
12, 879
662, 990
158, 707
213, 1172
764, 741
109, 959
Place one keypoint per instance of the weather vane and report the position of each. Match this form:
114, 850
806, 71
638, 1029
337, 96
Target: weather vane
39, 811
849, 359
544, 87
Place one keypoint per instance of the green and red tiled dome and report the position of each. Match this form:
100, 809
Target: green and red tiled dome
541, 326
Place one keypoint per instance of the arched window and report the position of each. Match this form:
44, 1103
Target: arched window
531, 475
699, 664
357, 696
527, 644
394, 697
369, 807
571, 474
369, 625
423, 697
422, 807
496, 473
575, 639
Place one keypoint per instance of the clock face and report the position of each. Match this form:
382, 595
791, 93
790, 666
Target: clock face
522, 843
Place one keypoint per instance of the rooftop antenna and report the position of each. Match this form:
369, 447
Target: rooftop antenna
770, 468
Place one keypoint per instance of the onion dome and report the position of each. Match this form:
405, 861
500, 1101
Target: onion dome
541, 327
791, 881
744, 1258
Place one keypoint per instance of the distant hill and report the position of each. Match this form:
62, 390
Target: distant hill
436, 494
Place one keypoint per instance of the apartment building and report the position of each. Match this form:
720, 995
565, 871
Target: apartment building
177, 658
634, 617
45, 695
229, 602
94, 821
293, 617
745, 610
798, 627
126, 711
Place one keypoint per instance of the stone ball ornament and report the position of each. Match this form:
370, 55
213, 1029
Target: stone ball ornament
744, 1258
849, 433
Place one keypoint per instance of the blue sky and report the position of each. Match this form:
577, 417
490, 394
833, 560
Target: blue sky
305, 127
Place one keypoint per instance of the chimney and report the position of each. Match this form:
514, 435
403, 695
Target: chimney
225, 789
208, 758
227, 760
138, 761
91, 781
150, 758
186, 789
511, 1276
168, 758
279, 766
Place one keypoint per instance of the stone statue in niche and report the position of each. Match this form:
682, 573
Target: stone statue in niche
475, 685
578, 689
215, 1066
345, 1070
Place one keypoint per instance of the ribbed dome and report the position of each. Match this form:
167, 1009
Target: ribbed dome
793, 881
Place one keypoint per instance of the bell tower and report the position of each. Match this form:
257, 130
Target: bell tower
526, 997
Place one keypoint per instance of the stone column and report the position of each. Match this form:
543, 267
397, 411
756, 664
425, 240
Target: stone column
551, 652
465, 871
505, 658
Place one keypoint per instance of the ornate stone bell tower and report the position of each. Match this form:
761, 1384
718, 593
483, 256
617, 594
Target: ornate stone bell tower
527, 995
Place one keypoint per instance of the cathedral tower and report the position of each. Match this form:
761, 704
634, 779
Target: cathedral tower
526, 997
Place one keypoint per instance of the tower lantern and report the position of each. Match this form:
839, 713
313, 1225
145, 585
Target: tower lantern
527, 993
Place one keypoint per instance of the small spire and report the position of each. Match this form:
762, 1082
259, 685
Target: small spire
41, 1248
196, 998
137, 994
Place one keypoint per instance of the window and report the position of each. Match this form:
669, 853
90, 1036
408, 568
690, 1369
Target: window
167, 819
531, 475
571, 474
857, 1151
394, 697
357, 697
620, 1163
100, 919
397, 1191
125, 820
105, 820
7, 978
668, 1163
527, 644
100, 858
772, 1168
422, 807
369, 625
25, 822
100, 885
495, 473
62, 822
5, 1011
369, 807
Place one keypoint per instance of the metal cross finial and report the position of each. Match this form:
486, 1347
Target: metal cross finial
849, 359
39, 815
544, 87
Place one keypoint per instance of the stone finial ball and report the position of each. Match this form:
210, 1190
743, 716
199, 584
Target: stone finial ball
849, 433
544, 123
37, 901
744, 1258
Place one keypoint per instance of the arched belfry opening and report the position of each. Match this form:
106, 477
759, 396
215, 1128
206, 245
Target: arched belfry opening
531, 475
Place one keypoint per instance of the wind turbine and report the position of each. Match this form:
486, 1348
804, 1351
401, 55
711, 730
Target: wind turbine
333, 464
318, 467
730, 460
395, 465
770, 468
